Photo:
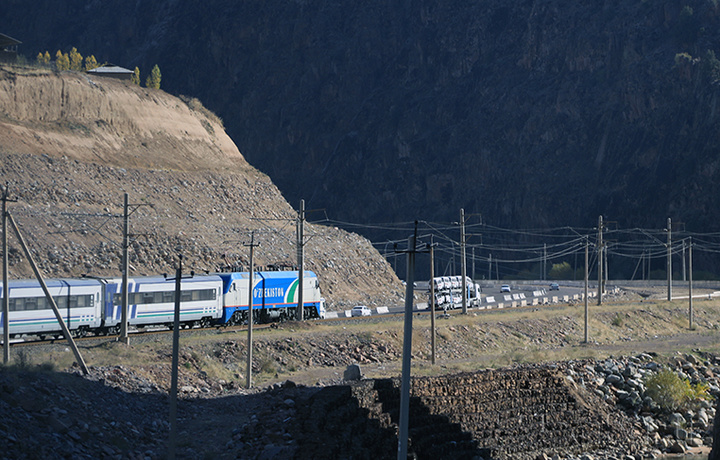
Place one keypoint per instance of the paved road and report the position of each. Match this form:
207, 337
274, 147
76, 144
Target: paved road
492, 298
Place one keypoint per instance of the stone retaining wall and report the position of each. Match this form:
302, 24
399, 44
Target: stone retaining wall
495, 414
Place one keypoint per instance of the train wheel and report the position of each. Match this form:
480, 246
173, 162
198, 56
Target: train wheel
205, 322
236, 318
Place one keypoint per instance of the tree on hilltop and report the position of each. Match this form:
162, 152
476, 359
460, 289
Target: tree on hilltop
62, 61
153, 80
91, 63
135, 77
76, 59
43, 59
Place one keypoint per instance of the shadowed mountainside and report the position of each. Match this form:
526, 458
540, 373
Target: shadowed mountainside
413, 110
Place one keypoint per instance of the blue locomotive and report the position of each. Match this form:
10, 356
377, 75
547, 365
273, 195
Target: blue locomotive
95, 305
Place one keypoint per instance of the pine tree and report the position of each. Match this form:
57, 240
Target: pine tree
135, 78
40, 59
76, 59
46, 58
62, 61
90, 62
153, 80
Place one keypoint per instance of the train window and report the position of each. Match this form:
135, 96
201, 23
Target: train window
31, 303
166, 296
61, 302
78, 301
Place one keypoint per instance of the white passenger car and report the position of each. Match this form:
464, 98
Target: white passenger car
360, 310
78, 301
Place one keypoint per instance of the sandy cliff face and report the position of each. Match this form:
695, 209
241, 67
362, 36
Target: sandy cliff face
70, 147
105, 120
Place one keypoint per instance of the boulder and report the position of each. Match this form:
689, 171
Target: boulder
352, 372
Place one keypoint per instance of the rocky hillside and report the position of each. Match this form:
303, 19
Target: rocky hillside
70, 147
412, 110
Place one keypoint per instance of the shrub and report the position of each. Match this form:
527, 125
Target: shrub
561, 271
673, 393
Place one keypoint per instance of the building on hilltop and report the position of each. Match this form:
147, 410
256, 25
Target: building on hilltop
8, 48
113, 71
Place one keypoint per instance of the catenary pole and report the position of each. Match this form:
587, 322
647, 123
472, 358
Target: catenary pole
600, 259
585, 296
490, 266
301, 259
684, 273
250, 310
124, 292
175, 351
6, 287
432, 303
463, 265
690, 285
669, 260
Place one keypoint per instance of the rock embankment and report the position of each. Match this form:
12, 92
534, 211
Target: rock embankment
572, 410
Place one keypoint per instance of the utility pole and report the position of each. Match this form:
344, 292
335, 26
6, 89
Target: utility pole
669, 260
301, 258
407, 352
600, 259
6, 287
252, 245
544, 268
690, 286
463, 265
587, 335
48, 296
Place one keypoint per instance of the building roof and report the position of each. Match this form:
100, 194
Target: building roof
8, 41
109, 68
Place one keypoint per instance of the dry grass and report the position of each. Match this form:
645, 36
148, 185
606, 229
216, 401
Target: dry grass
484, 339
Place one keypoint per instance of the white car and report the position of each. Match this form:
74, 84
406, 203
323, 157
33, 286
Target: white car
360, 310
505, 288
